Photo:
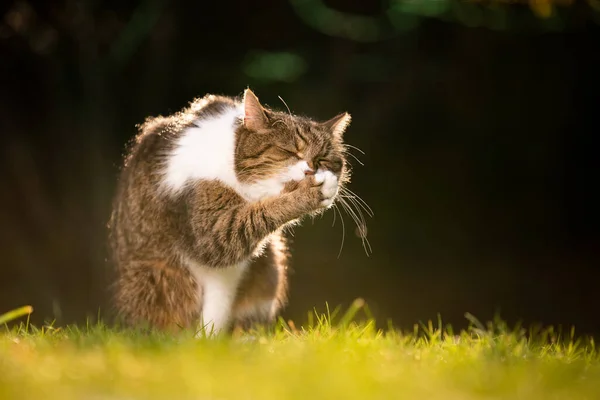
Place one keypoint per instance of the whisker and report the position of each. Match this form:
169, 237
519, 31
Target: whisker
353, 156
286, 106
355, 148
355, 202
346, 208
359, 213
367, 247
333, 223
360, 224
359, 205
361, 230
336, 209
363, 203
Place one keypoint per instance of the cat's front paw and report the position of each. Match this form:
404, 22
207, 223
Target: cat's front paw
329, 186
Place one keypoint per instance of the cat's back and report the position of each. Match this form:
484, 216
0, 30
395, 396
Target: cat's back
193, 143
159, 137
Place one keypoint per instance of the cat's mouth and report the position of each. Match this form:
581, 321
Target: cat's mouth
319, 175
297, 171
301, 170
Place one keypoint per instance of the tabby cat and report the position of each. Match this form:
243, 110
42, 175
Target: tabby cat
203, 196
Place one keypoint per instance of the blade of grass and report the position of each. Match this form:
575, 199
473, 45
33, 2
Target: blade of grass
14, 314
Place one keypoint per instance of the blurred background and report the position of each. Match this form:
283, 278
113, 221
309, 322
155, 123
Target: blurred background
478, 120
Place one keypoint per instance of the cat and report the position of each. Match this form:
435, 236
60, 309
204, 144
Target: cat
196, 229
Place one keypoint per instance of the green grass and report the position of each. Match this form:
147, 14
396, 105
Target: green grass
330, 358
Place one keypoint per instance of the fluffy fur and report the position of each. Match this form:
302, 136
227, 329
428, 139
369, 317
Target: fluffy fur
196, 228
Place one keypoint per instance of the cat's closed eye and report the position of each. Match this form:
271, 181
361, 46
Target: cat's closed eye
289, 152
328, 163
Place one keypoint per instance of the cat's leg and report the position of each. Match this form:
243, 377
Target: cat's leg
225, 230
222, 233
263, 290
217, 287
156, 294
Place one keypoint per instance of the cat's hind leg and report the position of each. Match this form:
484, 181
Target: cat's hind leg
263, 290
157, 294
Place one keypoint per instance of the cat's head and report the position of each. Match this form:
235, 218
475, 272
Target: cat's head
285, 147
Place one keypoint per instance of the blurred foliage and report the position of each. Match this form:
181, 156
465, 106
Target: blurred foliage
402, 15
137, 29
274, 66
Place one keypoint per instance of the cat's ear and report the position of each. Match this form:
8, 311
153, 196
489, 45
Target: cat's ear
338, 124
254, 113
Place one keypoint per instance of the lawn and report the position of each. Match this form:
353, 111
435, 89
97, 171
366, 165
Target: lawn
330, 358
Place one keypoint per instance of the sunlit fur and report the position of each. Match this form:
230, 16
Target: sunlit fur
196, 229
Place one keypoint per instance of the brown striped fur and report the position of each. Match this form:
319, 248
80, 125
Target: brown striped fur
151, 233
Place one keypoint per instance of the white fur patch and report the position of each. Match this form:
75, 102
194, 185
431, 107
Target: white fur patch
274, 185
217, 288
206, 151
330, 186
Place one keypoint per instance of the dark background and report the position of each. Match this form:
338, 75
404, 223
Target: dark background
479, 125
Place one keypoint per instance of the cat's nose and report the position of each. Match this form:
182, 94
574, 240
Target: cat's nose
309, 172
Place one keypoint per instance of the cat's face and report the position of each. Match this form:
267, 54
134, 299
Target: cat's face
278, 146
